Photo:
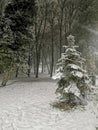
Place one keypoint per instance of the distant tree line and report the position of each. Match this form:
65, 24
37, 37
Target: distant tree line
32, 32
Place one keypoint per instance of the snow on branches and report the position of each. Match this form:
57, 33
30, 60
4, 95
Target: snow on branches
74, 82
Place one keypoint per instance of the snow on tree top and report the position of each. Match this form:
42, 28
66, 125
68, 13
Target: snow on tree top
77, 74
76, 67
74, 46
70, 50
71, 40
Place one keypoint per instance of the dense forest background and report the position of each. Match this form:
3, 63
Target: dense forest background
32, 33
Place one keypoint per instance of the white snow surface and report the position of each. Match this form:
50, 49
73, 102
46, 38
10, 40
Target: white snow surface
26, 105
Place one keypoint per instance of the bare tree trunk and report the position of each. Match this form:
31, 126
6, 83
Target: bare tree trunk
42, 62
37, 62
37, 46
6, 75
29, 61
29, 66
17, 71
43, 37
60, 25
34, 63
52, 51
47, 64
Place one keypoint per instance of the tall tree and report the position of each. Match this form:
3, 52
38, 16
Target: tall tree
20, 13
61, 7
52, 21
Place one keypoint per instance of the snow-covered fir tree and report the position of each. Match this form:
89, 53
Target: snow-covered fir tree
74, 83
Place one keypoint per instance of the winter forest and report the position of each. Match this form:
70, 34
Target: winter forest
48, 64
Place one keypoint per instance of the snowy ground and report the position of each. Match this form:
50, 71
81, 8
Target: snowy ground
25, 105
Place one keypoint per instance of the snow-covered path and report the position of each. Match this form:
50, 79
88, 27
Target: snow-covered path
25, 105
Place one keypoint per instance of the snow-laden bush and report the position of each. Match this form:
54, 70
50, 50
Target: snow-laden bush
74, 83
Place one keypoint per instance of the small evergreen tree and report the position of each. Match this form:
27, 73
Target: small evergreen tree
73, 83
